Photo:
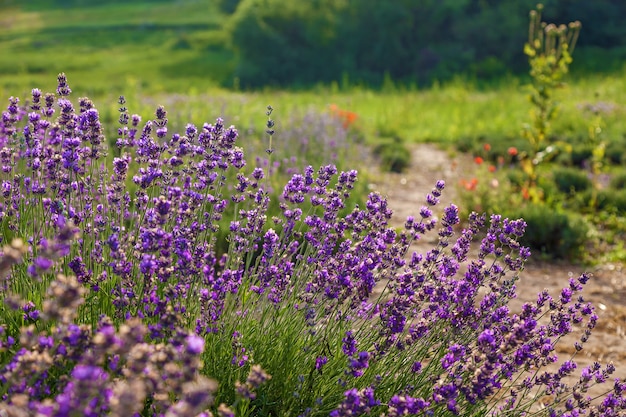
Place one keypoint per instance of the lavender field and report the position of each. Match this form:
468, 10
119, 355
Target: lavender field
166, 275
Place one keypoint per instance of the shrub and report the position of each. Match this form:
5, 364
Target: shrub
618, 181
393, 154
118, 303
466, 144
556, 234
228, 6
571, 180
278, 43
612, 200
615, 151
581, 154
516, 177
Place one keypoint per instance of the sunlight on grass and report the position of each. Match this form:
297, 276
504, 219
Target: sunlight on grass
176, 49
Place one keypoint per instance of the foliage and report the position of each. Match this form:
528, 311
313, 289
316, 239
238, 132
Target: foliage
373, 39
616, 151
228, 6
549, 49
413, 43
611, 201
554, 226
116, 302
393, 154
571, 180
618, 181
581, 154
557, 234
179, 52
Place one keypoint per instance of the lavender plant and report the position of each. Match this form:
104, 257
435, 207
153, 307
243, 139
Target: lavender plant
118, 303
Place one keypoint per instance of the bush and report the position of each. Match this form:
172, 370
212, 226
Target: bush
612, 200
228, 6
116, 302
581, 154
571, 180
615, 151
278, 43
303, 42
618, 181
498, 150
555, 234
516, 177
393, 154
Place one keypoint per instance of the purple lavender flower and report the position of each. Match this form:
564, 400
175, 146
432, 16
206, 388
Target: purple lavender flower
356, 403
320, 361
349, 344
153, 255
63, 89
400, 405
195, 344
359, 364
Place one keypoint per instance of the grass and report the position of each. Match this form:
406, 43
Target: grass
173, 48
104, 48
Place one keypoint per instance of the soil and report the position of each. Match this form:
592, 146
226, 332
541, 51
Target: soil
406, 193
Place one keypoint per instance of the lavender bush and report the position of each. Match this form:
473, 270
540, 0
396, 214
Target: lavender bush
118, 303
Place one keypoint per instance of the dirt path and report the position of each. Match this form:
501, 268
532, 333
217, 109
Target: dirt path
607, 289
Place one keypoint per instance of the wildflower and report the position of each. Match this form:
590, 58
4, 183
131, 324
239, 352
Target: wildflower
197, 395
512, 151
358, 364
224, 411
256, 378
320, 361
195, 344
63, 89
469, 185
356, 403
401, 405
349, 344
11, 254
64, 296
478, 160
347, 118
492, 168
487, 147
127, 397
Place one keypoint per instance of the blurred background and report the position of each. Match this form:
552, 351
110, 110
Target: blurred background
383, 76
196, 45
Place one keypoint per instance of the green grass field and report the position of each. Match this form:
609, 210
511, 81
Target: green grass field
174, 53
156, 47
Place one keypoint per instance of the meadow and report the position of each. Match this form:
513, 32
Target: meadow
175, 53
159, 261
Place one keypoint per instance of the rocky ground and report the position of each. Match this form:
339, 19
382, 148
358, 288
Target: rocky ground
607, 289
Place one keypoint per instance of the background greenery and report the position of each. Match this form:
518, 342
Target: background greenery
174, 45
451, 72
369, 41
